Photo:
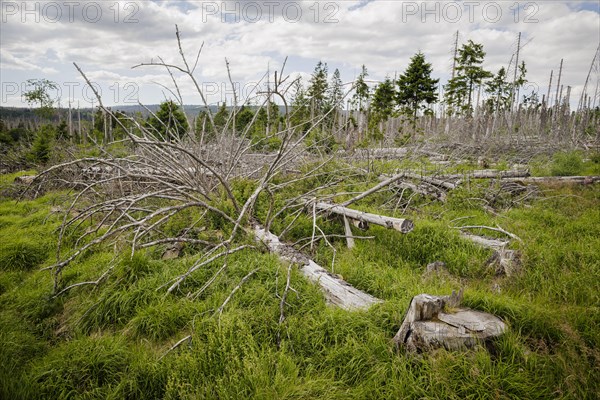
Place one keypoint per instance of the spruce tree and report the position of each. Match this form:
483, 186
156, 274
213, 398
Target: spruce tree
169, 122
469, 74
416, 88
317, 89
382, 107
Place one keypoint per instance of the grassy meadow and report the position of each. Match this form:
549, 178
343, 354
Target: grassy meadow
111, 340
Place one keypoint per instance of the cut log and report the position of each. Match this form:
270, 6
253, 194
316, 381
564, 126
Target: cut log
428, 325
399, 224
337, 291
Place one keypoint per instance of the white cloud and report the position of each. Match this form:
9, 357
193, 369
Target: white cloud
10, 62
383, 35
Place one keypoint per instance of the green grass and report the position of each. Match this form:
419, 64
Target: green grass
106, 341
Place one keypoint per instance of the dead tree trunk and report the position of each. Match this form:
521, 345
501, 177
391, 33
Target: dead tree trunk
584, 180
337, 291
489, 174
399, 224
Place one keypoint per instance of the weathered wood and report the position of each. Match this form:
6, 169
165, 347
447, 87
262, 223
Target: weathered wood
392, 152
439, 182
337, 291
429, 325
436, 267
503, 261
423, 189
489, 174
494, 244
584, 180
25, 179
348, 232
399, 224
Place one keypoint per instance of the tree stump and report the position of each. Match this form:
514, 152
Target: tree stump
434, 322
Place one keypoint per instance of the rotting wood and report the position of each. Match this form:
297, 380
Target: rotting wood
337, 291
399, 224
429, 325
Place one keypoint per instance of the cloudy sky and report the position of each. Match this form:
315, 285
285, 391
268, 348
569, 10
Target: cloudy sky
106, 38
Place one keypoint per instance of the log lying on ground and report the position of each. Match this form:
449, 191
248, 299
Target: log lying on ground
428, 325
489, 174
494, 244
503, 261
399, 224
392, 152
441, 182
336, 290
388, 180
25, 179
584, 180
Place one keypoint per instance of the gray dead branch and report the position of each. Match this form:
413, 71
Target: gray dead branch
434, 322
337, 291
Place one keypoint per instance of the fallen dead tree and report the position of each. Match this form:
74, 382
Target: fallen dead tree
128, 200
337, 291
489, 174
504, 261
583, 180
433, 322
398, 224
